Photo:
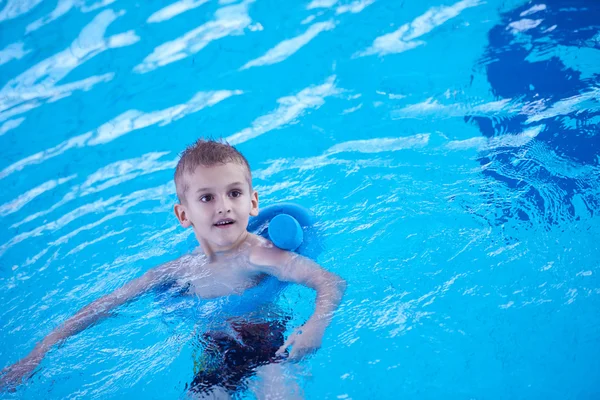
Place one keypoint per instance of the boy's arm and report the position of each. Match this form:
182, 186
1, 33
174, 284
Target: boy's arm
85, 317
291, 267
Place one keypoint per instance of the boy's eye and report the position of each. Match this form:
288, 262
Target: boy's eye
206, 198
235, 193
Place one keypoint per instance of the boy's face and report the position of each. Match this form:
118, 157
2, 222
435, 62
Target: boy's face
218, 204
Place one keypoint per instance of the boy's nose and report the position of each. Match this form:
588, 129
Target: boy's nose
224, 207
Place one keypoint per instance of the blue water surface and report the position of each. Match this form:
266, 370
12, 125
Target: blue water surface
450, 150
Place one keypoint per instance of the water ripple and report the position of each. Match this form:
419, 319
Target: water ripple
10, 124
174, 9
290, 108
106, 177
18, 203
129, 121
16, 8
39, 83
457, 186
62, 8
289, 46
402, 39
230, 20
370, 146
14, 51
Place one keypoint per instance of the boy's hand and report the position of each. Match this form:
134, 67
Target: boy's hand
304, 341
13, 375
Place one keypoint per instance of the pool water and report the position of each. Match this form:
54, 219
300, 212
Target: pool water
450, 150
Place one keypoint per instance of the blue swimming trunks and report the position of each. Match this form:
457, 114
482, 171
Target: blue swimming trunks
225, 362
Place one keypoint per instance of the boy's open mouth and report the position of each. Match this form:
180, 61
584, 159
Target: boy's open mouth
224, 223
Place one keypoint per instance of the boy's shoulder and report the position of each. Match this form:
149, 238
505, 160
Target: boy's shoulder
256, 241
262, 252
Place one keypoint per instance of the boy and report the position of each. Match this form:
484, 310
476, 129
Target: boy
214, 187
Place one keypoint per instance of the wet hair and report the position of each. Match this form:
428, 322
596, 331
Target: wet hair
206, 153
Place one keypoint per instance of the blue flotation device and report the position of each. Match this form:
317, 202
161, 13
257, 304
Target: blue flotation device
289, 226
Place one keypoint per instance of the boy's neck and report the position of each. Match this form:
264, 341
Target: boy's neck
213, 253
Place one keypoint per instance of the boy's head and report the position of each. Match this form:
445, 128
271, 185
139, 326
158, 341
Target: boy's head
214, 187
206, 153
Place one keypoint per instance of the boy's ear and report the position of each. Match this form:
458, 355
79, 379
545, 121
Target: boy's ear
180, 213
254, 206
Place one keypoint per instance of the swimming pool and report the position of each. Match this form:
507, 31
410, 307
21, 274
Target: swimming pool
450, 150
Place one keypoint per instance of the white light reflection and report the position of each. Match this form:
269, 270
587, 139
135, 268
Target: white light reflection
158, 193
132, 120
14, 51
127, 122
98, 206
10, 124
119, 206
16, 8
108, 176
352, 109
78, 141
433, 107
321, 4
523, 25
354, 7
533, 10
588, 101
18, 203
403, 38
124, 171
288, 47
172, 10
290, 108
39, 83
63, 7
230, 20
481, 143
369, 146
308, 20
535, 110
83, 245
379, 145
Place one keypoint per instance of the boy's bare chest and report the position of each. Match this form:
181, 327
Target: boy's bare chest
217, 279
